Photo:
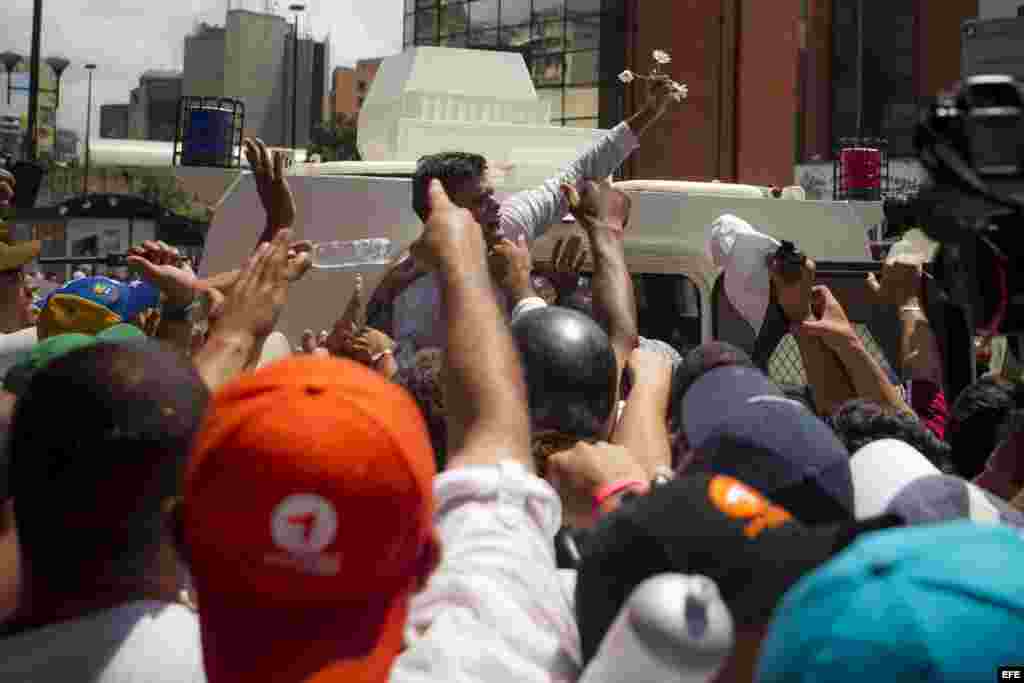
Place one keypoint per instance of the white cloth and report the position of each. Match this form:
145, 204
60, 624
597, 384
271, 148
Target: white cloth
496, 608
140, 642
743, 253
13, 345
418, 312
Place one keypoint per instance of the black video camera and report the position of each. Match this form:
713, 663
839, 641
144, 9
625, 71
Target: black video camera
971, 141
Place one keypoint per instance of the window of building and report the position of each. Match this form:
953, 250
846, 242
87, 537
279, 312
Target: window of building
559, 40
483, 15
454, 19
426, 27
889, 103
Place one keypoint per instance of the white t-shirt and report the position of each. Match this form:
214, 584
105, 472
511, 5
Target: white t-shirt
13, 345
139, 642
497, 608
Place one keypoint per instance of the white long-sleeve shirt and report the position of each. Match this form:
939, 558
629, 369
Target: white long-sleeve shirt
418, 312
497, 608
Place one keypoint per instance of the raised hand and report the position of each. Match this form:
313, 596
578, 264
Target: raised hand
450, 235
829, 322
595, 204
793, 288
259, 295
342, 335
900, 281
511, 266
276, 196
663, 92
580, 472
569, 256
162, 266
7, 183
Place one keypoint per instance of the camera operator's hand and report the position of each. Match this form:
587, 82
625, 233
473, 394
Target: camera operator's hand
598, 204
829, 322
7, 183
793, 288
900, 281
580, 472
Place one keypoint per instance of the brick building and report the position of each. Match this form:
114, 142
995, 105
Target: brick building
772, 84
350, 86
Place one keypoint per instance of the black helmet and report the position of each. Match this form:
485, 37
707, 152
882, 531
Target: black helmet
570, 368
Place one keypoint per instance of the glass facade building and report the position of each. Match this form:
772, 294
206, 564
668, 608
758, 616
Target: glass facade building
573, 48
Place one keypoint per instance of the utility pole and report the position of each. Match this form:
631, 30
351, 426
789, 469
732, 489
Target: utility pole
296, 8
88, 133
33, 87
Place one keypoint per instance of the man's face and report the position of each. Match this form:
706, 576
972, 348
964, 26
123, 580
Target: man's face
16, 290
477, 195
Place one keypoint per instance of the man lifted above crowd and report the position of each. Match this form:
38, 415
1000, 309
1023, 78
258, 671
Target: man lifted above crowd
415, 295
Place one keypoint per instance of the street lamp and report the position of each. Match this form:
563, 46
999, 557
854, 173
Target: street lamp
58, 65
88, 132
296, 8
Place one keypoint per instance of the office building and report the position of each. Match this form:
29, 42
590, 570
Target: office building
153, 106
252, 58
772, 84
351, 86
114, 120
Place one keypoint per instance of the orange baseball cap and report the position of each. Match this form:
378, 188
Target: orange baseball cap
308, 513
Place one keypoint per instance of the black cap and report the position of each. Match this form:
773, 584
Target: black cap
705, 524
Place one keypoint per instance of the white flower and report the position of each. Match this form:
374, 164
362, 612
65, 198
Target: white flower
627, 76
662, 57
680, 91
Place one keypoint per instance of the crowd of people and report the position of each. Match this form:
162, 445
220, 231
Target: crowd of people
484, 472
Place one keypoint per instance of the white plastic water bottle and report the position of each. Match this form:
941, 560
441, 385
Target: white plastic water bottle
674, 628
353, 254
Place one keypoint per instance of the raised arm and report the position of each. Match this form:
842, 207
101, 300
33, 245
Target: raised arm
251, 311
533, 211
488, 420
604, 212
276, 196
900, 287
826, 375
831, 325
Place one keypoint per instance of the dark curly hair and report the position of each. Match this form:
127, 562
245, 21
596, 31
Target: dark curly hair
979, 412
860, 422
448, 167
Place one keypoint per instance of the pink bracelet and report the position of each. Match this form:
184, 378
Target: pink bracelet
614, 489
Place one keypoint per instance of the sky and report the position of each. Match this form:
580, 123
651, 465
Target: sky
124, 38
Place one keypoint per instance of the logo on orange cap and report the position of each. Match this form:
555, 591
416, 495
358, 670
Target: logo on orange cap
739, 501
303, 525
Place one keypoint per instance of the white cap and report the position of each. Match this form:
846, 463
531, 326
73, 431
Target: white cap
882, 469
673, 628
743, 253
